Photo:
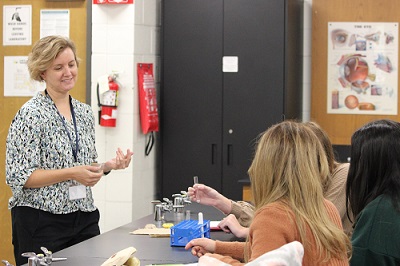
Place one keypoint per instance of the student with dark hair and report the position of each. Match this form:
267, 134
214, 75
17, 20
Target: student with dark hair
373, 193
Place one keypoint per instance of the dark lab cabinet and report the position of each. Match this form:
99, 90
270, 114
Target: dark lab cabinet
210, 118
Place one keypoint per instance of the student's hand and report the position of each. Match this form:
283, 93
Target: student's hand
203, 194
201, 246
231, 225
208, 196
121, 161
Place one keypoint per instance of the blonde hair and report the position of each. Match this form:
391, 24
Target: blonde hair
44, 51
327, 146
288, 166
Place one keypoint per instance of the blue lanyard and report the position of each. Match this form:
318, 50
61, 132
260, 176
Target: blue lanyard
74, 151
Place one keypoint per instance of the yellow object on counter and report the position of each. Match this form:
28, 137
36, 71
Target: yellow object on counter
167, 225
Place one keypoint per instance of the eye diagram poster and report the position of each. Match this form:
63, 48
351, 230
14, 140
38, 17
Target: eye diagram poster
362, 68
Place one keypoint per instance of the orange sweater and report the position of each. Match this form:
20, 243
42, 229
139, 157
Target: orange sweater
272, 228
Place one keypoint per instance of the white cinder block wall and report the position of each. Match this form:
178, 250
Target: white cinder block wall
122, 36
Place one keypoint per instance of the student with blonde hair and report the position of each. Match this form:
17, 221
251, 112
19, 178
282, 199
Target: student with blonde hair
240, 213
289, 203
334, 187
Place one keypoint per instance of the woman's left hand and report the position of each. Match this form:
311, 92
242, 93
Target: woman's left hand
121, 161
231, 225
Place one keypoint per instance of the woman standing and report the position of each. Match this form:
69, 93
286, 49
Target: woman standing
49, 151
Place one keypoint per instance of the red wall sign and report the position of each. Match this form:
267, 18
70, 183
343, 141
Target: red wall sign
112, 1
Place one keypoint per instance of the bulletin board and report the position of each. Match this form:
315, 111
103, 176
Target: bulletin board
340, 127
10, 105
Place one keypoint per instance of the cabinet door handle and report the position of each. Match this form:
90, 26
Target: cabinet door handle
213, 153
230, 154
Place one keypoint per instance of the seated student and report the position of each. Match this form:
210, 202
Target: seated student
290, 254
240, 213
373, 193
285, 177
335, 186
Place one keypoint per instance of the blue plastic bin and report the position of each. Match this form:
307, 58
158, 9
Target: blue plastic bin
187, 230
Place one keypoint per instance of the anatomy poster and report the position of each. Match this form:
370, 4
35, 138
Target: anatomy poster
362, 68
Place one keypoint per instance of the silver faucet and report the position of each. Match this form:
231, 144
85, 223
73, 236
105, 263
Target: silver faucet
160, 208
180, 200
177, 206
40, 259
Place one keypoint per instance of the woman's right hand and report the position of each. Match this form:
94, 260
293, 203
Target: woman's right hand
88, 175
201, 246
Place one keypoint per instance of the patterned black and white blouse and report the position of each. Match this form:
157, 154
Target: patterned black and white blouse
37, 139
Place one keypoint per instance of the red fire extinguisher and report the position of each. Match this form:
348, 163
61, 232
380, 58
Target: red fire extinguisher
108, 102
147, 103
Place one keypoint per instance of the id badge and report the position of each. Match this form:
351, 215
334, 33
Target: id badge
77, 192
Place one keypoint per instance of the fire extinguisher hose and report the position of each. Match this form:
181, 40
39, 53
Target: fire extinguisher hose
98, 101
150, 143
